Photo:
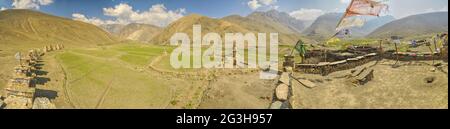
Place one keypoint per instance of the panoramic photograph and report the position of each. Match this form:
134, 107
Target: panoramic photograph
224, 54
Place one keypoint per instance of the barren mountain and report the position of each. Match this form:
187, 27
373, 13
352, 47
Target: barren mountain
32, 28
139, 32
112, 28
281, 18
325, 26
264, 25
371, 25
185, 25
414, 25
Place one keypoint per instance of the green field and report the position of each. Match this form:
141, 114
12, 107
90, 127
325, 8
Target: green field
107, 78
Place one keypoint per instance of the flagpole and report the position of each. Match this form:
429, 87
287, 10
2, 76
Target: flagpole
345, 14
292, 51
342, 19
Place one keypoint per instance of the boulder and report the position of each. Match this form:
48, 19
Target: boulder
276, 105
49, 49
282, 92
284, 78
43, 103
13, 102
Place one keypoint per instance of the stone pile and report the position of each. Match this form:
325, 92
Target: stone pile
43, 103
283, 91
325, 68
19, 92
50, 48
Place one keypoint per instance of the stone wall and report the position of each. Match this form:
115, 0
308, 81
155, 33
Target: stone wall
412, 56
20, 90
325, 68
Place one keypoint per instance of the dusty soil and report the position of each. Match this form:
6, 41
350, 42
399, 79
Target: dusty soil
239, 91
402, 87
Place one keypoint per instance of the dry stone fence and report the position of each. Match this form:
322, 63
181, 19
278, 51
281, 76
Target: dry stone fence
357, 57
20, 91
361, 57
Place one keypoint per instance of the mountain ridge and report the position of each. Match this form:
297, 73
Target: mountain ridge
325, 26
414, 25
32, 28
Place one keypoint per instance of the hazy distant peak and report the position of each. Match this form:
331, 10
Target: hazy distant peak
414, 25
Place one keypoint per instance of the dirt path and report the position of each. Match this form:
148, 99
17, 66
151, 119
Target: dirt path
65, 89
103, 96
32, 28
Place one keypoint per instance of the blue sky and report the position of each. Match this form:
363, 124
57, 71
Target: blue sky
169, 10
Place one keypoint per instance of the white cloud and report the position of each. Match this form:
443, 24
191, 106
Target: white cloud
2, 8
266, 4
45, 2
30, 4
307, 14
254, 4
345, 1
25, 4
94, 20
123, 13
156, 15
276, 7
121, 10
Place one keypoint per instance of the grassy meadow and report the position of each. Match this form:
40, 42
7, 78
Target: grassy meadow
108, 77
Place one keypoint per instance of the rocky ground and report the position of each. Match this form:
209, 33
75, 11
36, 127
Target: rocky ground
405, 86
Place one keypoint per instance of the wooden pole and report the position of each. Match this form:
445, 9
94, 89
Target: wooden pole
381, 47
342, 18
292, 51
435, 47
434, 42
346, 11
432, 53
396, 53
380, 53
